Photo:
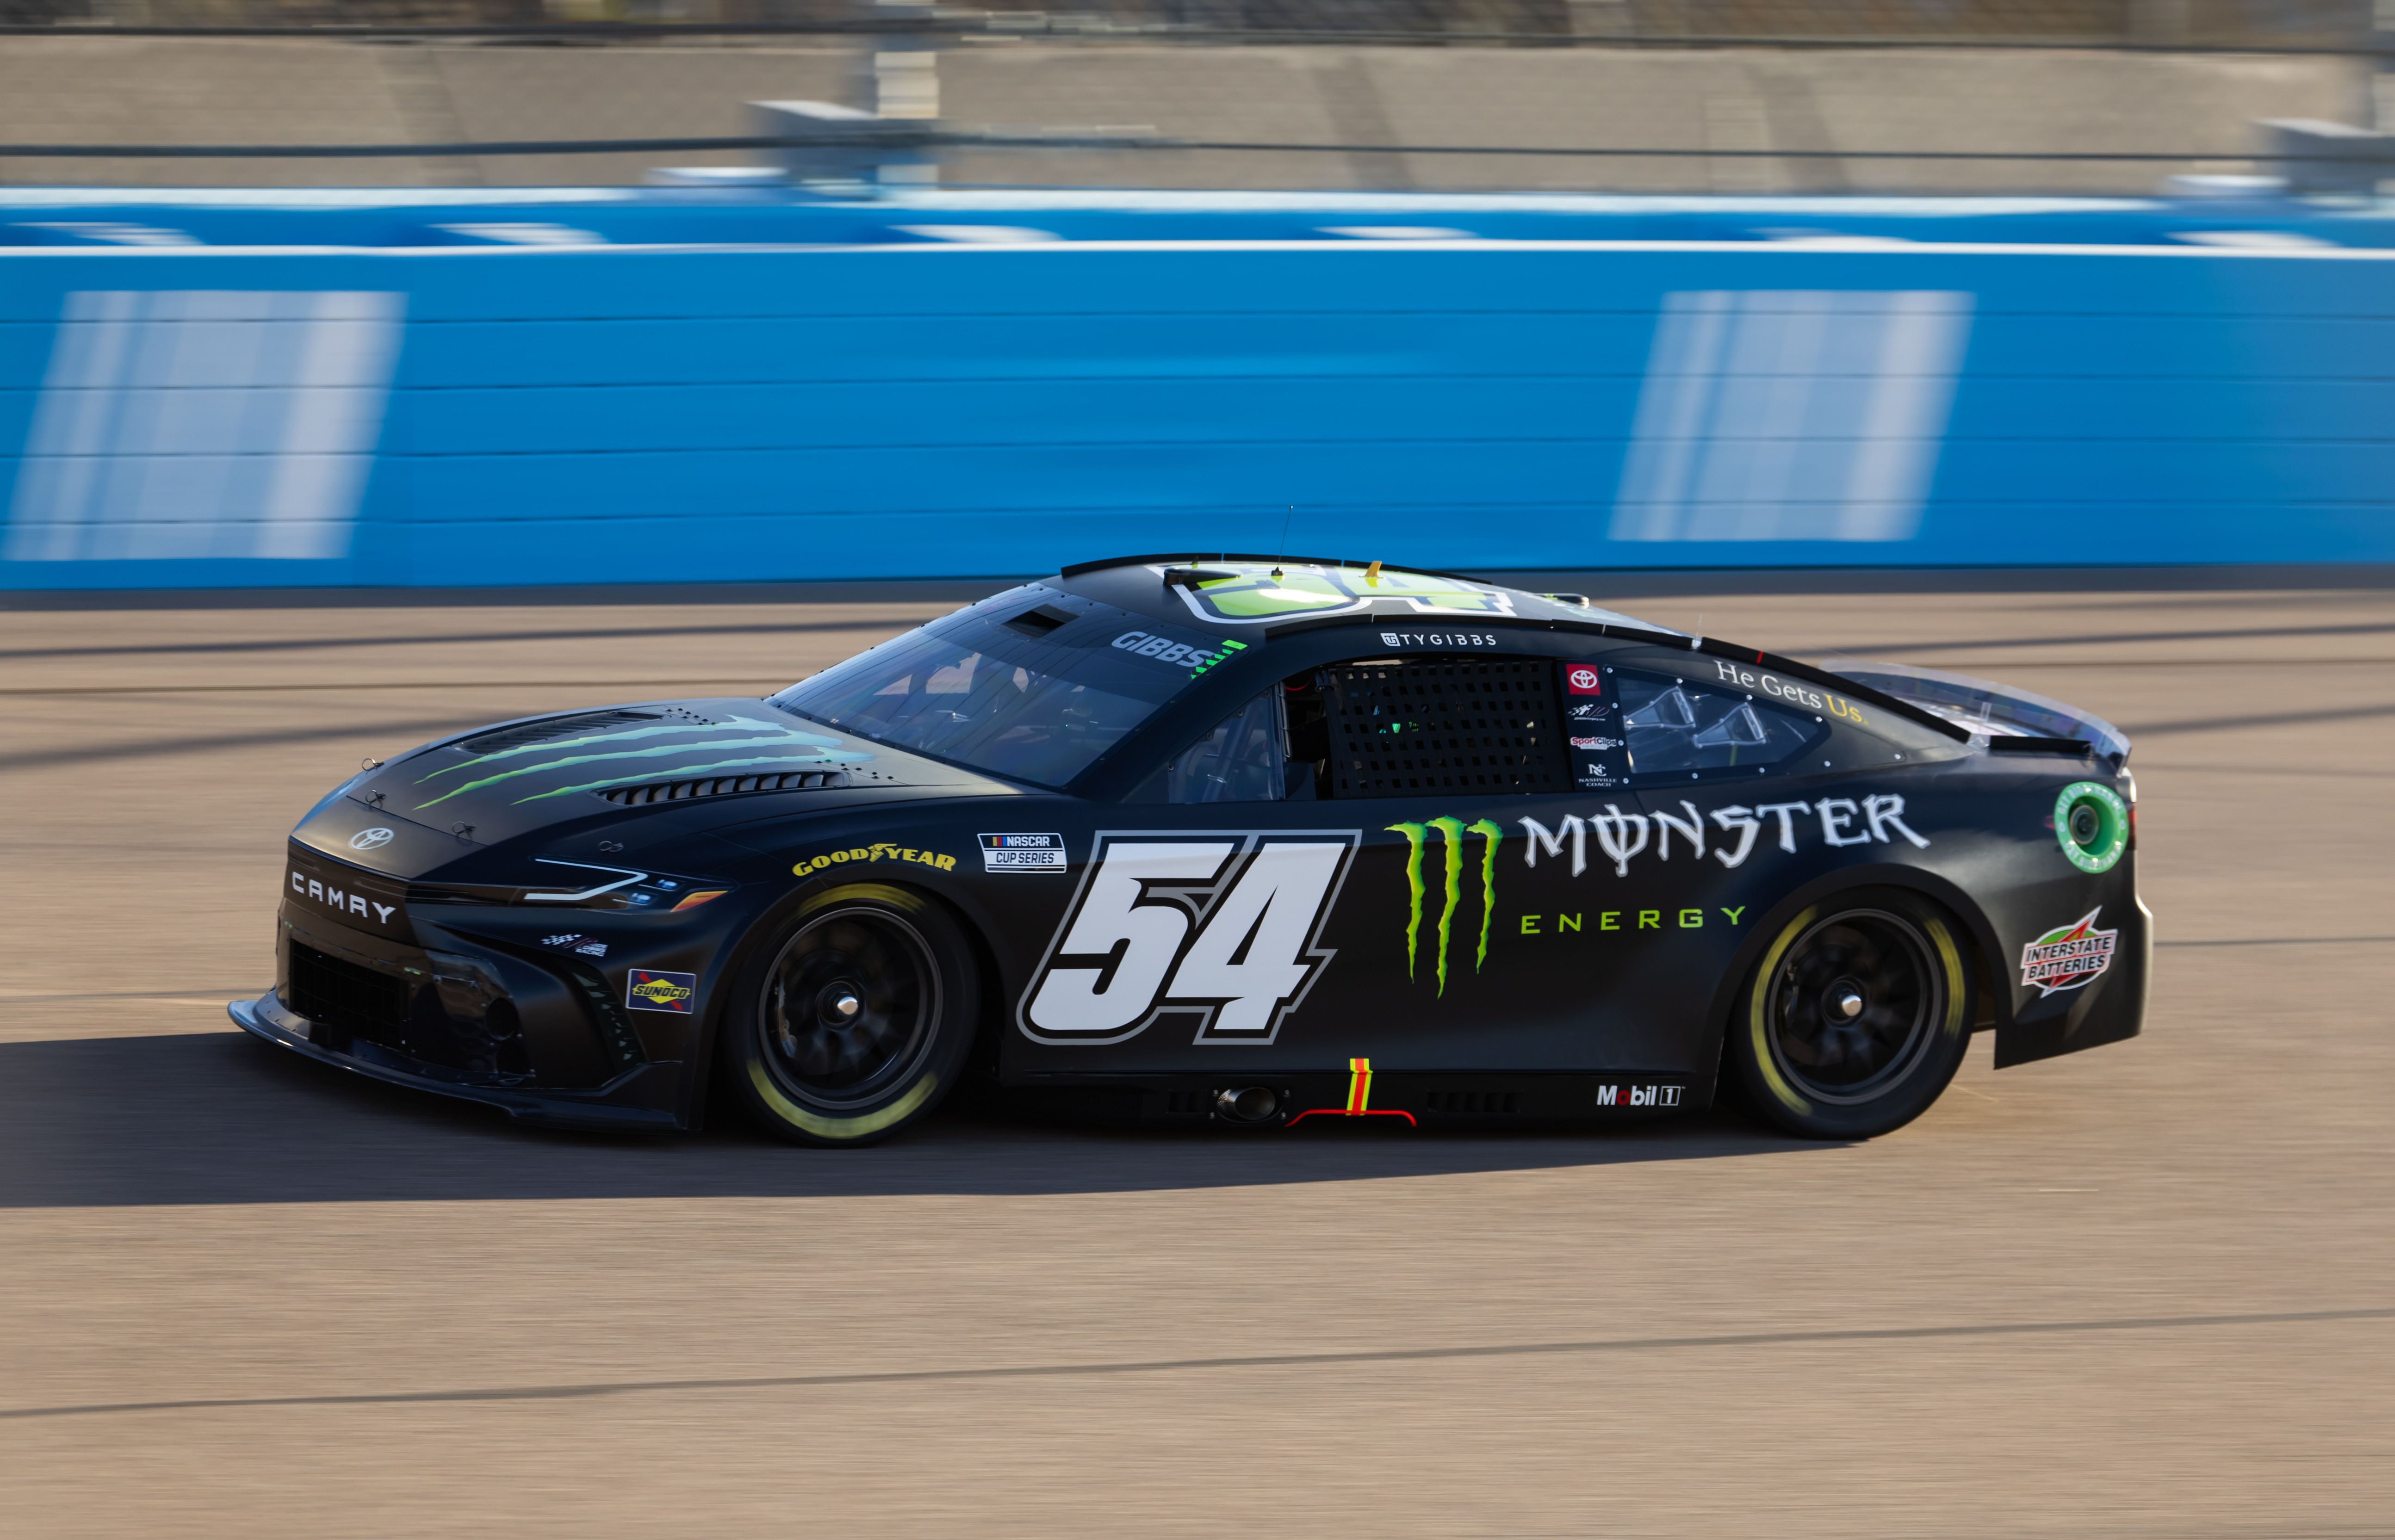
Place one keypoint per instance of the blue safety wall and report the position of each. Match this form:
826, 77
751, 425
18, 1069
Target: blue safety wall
503, 414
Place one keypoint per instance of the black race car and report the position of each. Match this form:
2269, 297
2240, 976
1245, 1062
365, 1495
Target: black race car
1242, 839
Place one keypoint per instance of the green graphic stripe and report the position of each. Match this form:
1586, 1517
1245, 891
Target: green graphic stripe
780, 736
1452, 828
1413, 833
621, 735
679, 771
1491, 834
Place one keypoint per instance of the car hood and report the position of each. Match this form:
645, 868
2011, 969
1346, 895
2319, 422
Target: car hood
699, 763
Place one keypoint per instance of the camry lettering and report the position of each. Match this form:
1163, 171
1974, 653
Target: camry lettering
341, 901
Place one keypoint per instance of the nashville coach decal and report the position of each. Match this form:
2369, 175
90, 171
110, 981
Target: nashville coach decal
1221, 928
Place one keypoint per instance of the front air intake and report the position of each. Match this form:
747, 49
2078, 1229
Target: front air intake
551, 728
721, 785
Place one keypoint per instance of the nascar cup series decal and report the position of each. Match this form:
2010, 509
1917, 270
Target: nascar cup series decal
1023, 852
2069, 956
1220, 929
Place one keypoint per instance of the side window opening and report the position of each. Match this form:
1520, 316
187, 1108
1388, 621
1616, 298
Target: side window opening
1241, 760
1679, 725
1391, 725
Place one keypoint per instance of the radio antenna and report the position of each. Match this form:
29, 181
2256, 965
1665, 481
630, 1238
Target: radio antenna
1277, 574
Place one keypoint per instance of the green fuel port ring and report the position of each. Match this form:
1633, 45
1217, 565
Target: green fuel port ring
2091, 824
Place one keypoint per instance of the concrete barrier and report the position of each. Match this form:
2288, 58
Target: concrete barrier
978, 400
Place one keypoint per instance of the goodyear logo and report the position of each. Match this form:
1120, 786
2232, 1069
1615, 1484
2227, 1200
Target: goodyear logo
667, 991
868, 854
1454, 835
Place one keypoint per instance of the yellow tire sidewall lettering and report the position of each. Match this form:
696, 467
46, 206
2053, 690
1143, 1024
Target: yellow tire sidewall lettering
1950, 957
821, 1127
863, 1125
1758, 1016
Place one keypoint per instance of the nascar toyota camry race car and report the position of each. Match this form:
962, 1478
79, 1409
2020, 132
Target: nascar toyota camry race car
1241, 839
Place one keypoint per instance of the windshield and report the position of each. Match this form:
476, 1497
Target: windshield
1034, 684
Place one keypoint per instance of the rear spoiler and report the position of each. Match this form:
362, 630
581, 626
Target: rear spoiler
1998, 716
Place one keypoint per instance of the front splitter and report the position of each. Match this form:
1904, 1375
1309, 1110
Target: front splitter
600, 1108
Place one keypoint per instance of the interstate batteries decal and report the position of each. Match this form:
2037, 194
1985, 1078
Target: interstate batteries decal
2069, 956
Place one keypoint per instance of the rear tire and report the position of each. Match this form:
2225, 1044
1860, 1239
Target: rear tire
854, 1018
1857, 1018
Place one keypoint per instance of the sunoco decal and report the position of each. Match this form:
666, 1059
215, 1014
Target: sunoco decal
2068, 957
666, 992
1222, 928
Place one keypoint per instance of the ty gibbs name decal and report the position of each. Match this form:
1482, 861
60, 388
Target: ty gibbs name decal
1438, 638
1219, 929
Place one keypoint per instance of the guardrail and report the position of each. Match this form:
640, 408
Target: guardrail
594, 390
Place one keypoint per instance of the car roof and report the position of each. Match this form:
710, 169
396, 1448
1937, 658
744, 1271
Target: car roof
1256, 598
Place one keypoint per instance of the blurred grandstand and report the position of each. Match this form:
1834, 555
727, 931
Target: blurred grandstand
1646, 95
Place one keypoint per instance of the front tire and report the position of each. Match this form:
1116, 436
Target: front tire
1857, 1018
854, 1020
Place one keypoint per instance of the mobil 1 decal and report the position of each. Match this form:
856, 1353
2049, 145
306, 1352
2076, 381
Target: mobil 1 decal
1219, 929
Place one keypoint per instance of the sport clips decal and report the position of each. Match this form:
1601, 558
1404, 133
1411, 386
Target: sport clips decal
1221, 928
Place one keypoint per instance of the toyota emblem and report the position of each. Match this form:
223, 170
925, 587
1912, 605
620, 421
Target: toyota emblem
370, 839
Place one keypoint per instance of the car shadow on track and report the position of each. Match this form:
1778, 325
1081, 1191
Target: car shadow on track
221, 1118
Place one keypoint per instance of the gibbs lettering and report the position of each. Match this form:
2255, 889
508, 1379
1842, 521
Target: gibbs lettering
1452, 833
1220, 928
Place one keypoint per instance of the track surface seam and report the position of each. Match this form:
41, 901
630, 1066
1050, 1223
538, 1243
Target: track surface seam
1261, 1360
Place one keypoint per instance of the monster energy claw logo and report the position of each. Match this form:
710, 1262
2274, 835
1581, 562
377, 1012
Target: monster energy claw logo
1451, 832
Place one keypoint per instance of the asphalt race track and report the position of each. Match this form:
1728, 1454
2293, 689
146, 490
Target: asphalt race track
2146, 1290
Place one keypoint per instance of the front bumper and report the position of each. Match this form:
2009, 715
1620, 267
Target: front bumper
639, 1100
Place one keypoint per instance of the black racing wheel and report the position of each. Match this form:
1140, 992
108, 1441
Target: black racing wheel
855, 1016
1856, 1019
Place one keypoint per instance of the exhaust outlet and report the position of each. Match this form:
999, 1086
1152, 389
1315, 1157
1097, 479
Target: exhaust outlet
1247, 1103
